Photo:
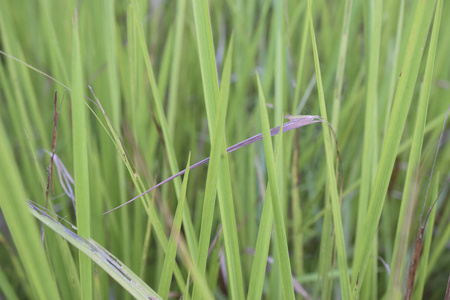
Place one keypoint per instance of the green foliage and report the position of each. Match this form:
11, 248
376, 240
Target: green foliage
177, 77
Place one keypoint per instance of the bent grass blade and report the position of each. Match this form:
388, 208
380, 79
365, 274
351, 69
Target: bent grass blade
295, 122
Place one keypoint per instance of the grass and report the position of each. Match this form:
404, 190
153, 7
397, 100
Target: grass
147, 87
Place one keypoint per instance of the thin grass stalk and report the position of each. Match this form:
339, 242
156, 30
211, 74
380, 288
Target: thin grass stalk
339, 80
176, 64
399, 253
370, 143
22, 227
335, 206
400, 108
259, 266
423, 264
80, 160
187, 221
169, 260
211, 96
395, 61
280, 233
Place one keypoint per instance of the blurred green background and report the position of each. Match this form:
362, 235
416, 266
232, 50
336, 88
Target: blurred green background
379, 91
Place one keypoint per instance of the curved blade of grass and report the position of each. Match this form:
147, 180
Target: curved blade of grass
95, 252
23, 229
294, 123
115, 138
335, 206
80, 160
280, 233
399, 253
169, 260
391, 143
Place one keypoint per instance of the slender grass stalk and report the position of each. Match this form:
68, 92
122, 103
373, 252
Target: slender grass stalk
400, 108
339, 81
423, 264
211, 96
280, 233
395, 62
370, 145
169, 260
80, 160
190, 234
335, 206
22, 227
262, 244
399, 253
174, 84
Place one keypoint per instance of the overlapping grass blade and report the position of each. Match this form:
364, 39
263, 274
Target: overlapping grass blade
169, 260
257, 275
22, 226
280, 233
211, 96
335, 206
400, 108
95, 252
399, 253
187, 221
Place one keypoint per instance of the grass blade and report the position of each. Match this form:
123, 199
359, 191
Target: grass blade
280, 233
169, 260
399, 253
335, 206
80, 160
211, 96
95, 252
187, 221
400, 108
24, 232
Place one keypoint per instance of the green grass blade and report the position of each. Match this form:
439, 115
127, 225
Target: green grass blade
403, 228
6, 288
169, 260
256, 285
227, 211
391, 143
218, 163
95, 252
24, 232
80, 160
176, 64
370, 144
339, 80
187, 221
211, 96
280, 233
260, 260
335, 206
422, 271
